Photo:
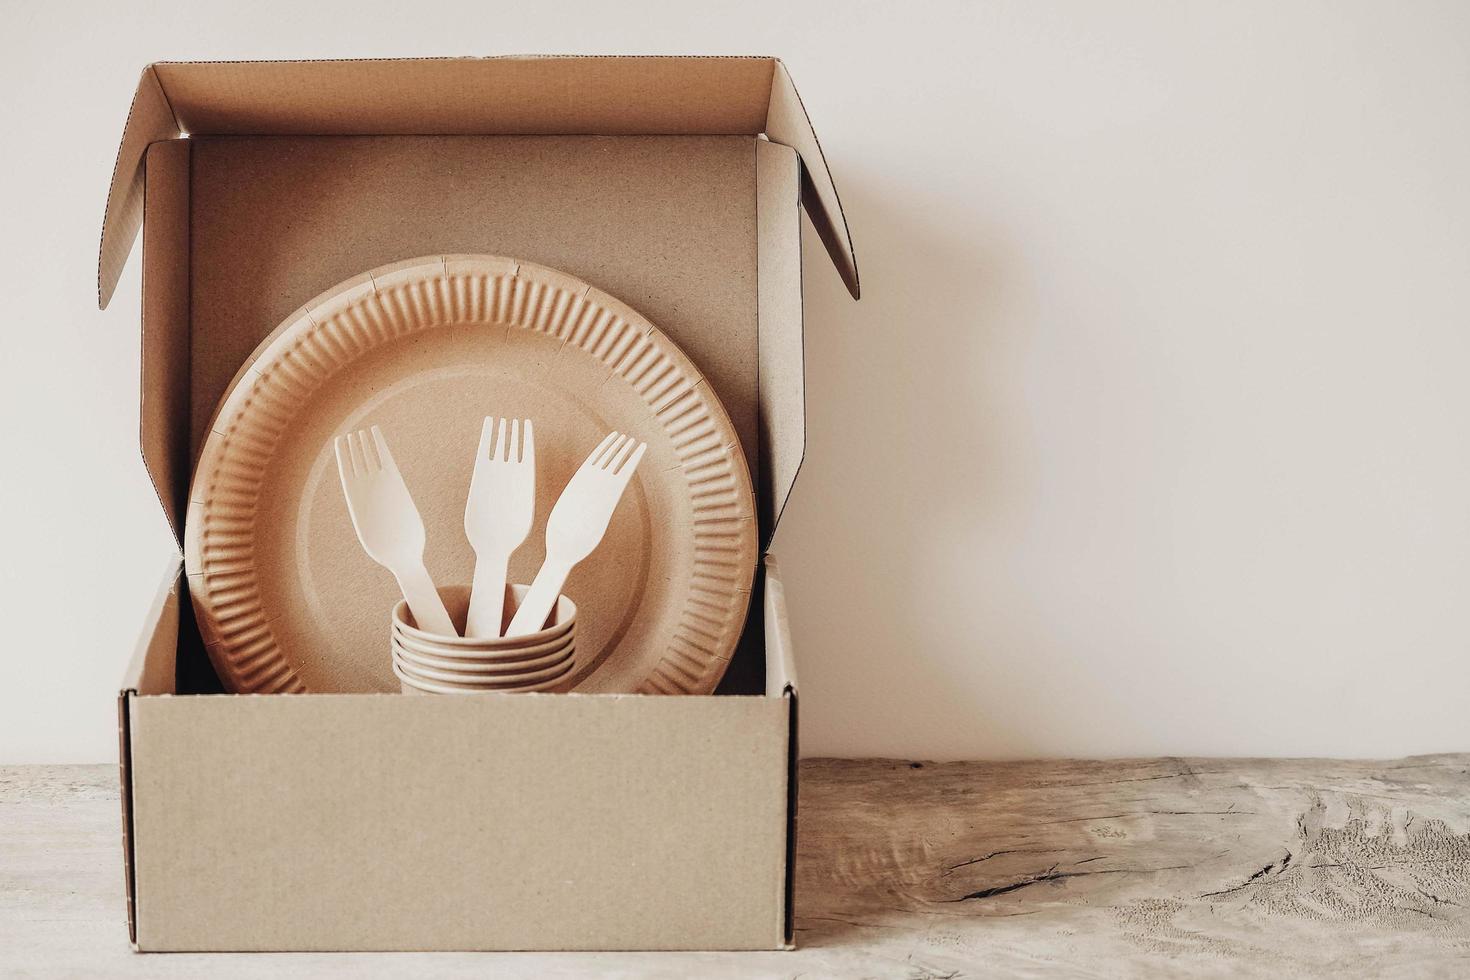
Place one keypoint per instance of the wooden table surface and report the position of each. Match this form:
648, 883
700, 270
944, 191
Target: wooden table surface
1163, 867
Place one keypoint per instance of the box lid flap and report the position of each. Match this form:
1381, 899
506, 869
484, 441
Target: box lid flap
787, 122
514, 95
151, 668
780, 349
150, 119
780, 664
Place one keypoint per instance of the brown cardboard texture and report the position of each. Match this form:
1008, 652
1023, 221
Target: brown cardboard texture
489, 821
244, 841
508, 95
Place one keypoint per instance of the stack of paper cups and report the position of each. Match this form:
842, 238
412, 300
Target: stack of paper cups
431, 663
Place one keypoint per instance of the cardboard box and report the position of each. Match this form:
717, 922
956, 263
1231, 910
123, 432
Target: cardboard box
382, 822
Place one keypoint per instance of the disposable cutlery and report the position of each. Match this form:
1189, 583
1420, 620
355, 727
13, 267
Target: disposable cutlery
498, 514
388, 523
577, 523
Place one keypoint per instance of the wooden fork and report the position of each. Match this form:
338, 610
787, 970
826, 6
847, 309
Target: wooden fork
576, 525
388, 524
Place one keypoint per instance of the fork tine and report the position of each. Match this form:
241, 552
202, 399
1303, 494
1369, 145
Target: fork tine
369, 452
596, 454
369, 461
514, 449
385, 458
354, 450
344, 460
615, 461
500, 443
487, 438
625, 472
528, 443
611, 451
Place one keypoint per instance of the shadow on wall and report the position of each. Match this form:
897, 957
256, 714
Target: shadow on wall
906, 469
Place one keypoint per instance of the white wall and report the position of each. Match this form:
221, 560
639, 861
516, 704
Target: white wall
1148, 437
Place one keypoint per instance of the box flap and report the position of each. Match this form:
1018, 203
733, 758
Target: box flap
515, 95
787, 122
512, 95
163, 415
780, 664
151, 670
780, 349
149, 119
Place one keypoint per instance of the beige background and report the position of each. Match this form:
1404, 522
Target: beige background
1149, 437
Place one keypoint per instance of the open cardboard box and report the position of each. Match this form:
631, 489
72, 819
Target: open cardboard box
382, 822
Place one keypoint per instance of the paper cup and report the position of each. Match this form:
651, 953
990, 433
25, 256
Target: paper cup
459, 678
457, 602
429, 663
410, 684
474, 667
505, 655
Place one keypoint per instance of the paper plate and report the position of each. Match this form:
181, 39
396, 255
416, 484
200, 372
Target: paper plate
285, 597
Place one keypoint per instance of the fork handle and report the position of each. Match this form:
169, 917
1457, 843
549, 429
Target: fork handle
487, 597
423, 599
540, 599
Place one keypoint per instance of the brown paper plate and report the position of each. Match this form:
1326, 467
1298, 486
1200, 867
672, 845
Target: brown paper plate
286, 599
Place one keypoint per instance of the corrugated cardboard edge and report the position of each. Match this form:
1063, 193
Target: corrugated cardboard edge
781, 682
151, 118
793, 758
148, 670
125, 794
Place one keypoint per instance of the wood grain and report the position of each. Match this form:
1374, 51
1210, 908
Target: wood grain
1162, 867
